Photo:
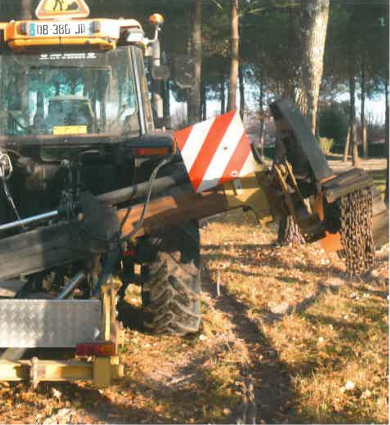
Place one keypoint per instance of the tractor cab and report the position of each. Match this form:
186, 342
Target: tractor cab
75, 110
65, 75
70, 111
70, 94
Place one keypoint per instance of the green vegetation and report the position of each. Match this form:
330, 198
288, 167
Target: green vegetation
379, 177
334, 125
326, 144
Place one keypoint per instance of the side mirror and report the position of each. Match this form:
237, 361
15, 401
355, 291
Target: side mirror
160, 73
184, 72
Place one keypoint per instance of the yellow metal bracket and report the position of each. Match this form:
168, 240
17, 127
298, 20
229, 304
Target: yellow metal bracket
249, 192
101, 371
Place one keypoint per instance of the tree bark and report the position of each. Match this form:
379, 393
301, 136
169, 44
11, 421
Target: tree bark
291, 79
167, 99
363, 112
234, 55
347, 145
289, 232
203, 113
194, 101
314, 16
308, 32
387, 140
222, 93
352, 113
242, 92
262, 113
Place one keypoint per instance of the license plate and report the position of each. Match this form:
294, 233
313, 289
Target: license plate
60, 29
70, 129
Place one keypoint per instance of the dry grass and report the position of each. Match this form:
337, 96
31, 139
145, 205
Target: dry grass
330, 332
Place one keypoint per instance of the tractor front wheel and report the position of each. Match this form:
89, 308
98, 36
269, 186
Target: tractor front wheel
172, 286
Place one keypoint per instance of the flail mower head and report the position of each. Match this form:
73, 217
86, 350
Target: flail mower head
345, 211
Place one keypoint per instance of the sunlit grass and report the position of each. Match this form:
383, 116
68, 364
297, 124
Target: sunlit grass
335, 347
379, 177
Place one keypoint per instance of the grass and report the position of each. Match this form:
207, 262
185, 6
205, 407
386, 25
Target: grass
330, 332
379, 177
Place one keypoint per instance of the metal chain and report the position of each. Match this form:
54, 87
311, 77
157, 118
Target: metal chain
356, 231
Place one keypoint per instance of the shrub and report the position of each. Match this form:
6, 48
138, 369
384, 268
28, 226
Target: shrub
334, 124
326, 144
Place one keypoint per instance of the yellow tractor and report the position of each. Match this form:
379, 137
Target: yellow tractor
93, 185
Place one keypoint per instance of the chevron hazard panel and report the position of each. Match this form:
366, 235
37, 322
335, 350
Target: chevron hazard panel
216, 151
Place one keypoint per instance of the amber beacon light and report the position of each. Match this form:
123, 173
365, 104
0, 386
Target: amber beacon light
156, 19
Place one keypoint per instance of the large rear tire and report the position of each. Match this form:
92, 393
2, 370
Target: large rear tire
171, 288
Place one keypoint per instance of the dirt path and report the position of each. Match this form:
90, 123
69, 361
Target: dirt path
267, 383
374, 164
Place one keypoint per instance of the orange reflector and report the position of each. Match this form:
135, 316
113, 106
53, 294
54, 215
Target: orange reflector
156, 19
331, 243
149, 151
98, 349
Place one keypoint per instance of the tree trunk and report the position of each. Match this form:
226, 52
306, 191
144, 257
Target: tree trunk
289, 232
203, 113
347, 145
194, 101
222, 93
234, 55
290, 81
317, 133
26, 9
314, 15
242, 92
352, 113
307, 47
262, 113
167, 99
363, 112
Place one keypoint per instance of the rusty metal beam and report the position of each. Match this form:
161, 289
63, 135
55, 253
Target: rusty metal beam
172, 210
58, 244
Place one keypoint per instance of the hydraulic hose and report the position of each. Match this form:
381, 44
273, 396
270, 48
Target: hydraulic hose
111, 198
139, 190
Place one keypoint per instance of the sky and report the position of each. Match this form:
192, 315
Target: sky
374, 108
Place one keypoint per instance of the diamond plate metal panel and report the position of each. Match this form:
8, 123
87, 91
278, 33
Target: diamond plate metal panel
48, 323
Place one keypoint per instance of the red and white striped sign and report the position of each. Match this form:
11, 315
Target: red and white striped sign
216, 151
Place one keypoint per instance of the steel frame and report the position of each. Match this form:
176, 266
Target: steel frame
99, 370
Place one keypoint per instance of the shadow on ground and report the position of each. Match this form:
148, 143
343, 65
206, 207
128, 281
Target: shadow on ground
274, 395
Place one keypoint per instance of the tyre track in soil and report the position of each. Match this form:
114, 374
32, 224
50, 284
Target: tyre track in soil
269, 393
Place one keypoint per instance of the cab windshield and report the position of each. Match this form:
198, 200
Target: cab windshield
68, 93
